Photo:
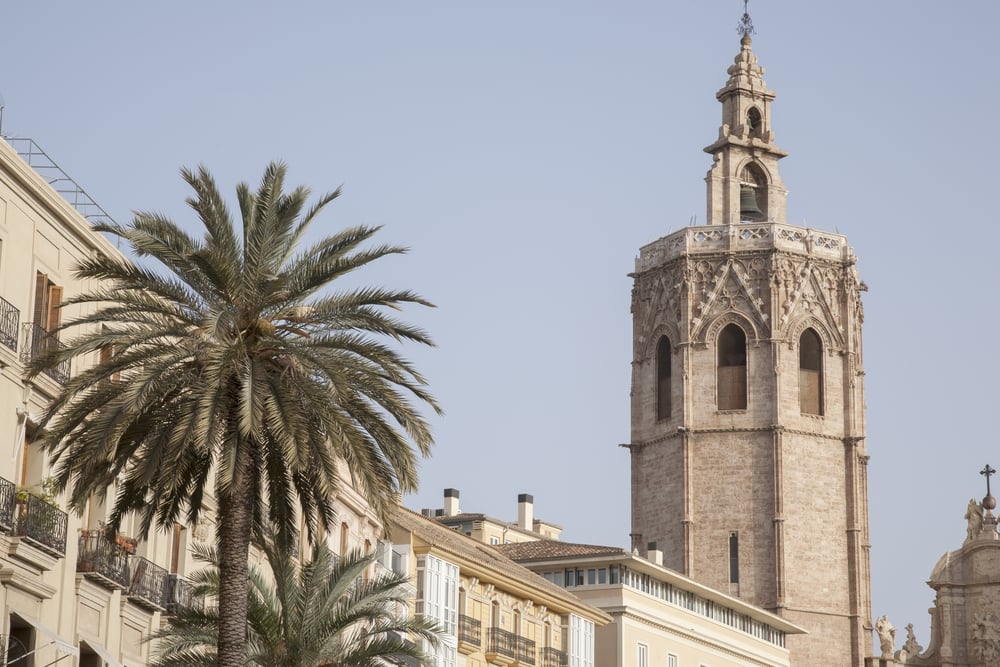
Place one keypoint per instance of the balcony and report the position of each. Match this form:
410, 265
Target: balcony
553, 657
102, 560
10, 317
501, 647
40, 341
525, 651
179, 594
470, 634
41, 524
147, 583
8, 500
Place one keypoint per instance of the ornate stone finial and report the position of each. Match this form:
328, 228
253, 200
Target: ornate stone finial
989, 502
745, 27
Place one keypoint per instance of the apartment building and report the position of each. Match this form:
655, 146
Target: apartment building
493, 611
71, 593
659, 617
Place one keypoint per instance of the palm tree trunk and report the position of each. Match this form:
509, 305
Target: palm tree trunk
233, 535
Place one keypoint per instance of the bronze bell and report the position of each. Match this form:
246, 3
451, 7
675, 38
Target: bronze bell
748, 204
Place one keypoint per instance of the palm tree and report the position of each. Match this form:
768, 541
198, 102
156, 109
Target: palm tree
230, 370
316, 614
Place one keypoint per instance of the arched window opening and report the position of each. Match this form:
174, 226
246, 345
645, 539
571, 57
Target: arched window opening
663, 363
754, 122
810, 373
753, 193
731, 376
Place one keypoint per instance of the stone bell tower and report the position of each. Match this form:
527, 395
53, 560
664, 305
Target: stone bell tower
749, 463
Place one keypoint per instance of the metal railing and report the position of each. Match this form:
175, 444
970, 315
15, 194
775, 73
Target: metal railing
41, 524
101, 559
470, 630
179, 594
10, 317
8, 500
502, 642
525, 651
147, 582
553, 657
40, 341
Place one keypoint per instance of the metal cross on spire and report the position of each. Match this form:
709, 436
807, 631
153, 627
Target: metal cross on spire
745, 27
987, 472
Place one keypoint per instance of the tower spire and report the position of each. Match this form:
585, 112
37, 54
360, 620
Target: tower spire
744, 183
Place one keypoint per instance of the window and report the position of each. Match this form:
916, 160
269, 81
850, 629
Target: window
641, 655
671, 660
176, 548
344, 531
581, 642
439, 592
810, 373
754, 122
48, 296
663, 363
731, 376
734, 558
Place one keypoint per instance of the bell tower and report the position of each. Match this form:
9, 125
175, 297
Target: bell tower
748, 453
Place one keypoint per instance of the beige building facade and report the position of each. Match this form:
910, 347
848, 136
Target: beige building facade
71, 593
748, 453
659, 617
493, 611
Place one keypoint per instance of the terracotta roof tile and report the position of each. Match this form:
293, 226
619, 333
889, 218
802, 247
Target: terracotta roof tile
550, 549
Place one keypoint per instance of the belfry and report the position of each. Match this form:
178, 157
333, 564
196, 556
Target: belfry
748, 453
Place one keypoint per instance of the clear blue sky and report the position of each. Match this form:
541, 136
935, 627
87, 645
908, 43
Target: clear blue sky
525, 151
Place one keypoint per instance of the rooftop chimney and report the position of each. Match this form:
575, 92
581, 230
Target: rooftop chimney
653, 554
525, 512
451, 502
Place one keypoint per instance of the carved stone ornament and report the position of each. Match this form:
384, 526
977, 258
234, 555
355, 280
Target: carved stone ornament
984, 632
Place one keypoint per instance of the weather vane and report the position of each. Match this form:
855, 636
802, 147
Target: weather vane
745, 27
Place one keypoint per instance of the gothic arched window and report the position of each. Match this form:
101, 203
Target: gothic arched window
663, 363
731, 374
810, 373
754, 122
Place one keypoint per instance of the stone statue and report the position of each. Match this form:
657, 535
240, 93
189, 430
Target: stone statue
911, 647
886, 636
974, 515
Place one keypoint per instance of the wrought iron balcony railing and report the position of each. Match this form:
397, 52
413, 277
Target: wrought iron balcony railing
8, 498
41, 524
525, 651
147, 582
502, 642
102, 559
470, 630
553, 657
10, 317
40, 341
179, 594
